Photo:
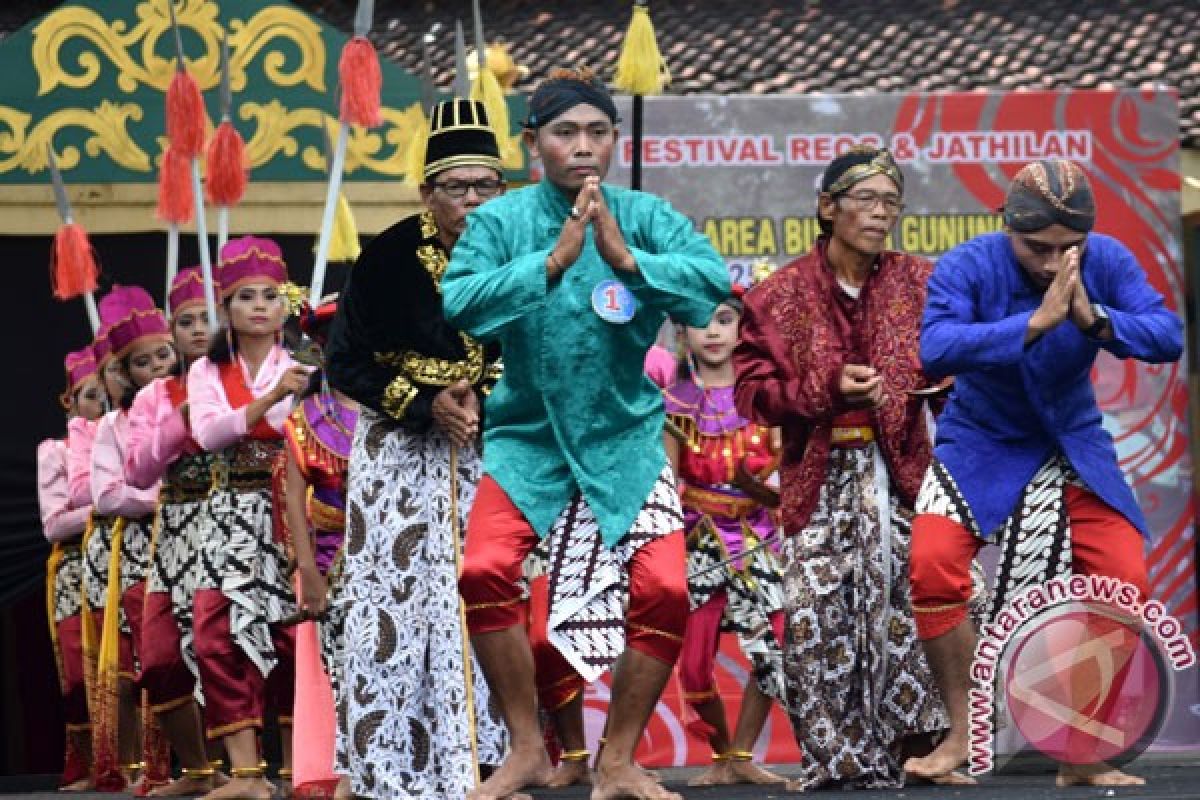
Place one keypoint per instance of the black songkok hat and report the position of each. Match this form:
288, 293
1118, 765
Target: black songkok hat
1045, 193
460, 136
564, 90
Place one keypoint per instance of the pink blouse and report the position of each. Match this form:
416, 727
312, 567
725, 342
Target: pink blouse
111, 494
215, 423
60, 520
81, 433
158, 435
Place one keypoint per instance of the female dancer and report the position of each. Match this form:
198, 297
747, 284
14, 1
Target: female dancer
733, 577
238, 398
140, 351
161, 449
319, 435
63, 525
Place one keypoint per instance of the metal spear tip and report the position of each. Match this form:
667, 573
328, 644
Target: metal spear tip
60, 188
226, 92
178, 38
462, 79
480, 42
364, 16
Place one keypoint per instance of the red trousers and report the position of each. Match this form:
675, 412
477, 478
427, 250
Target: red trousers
164, 675
498, 540
557, 681
70, 645
1102, 543
235, 692
701, 639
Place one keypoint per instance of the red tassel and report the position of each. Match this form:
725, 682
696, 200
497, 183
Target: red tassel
226, 166
186, 115
362, 83
176, 203
73, 270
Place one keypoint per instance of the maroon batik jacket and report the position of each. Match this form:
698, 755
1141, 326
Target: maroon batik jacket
798, 329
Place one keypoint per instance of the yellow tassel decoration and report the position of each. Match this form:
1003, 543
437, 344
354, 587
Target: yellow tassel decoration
486, 89
640, 67
343, 244
414, 157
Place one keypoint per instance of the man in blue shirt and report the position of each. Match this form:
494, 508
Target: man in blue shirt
1018, 318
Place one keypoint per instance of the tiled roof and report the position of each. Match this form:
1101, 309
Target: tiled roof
795, 46
850, 46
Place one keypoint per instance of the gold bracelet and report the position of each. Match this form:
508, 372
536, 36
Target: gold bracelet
739, 755
575, 755
719, 757
285, 772
216, 763
198, 772
246, 772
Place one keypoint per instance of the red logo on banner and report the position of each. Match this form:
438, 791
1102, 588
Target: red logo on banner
1087, 686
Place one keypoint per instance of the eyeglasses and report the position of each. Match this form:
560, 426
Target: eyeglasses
458, 189
866, 201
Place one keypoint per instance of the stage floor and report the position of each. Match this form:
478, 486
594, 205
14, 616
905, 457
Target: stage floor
1164, 783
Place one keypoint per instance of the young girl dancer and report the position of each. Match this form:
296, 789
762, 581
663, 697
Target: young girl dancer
161, 449
733, 578
319, 435
140, 351
63, 525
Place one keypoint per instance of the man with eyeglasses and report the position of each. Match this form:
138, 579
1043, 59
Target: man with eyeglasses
828, 353
575, 278
409, 711
1022, 460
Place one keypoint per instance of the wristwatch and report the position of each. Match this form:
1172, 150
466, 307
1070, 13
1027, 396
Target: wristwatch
1102, 321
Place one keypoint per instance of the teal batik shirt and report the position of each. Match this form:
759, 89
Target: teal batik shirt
574, 410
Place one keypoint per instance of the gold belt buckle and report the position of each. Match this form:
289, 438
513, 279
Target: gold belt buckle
220, 473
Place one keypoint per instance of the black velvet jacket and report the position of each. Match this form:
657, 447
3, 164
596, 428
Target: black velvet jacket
390, 347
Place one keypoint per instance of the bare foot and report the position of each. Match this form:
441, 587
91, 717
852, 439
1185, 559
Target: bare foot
243, 789
185, 786
1096, 775
749, 772
343, 790
627, 781
519, 770
718, 774
81, 785
940, 765
569, 773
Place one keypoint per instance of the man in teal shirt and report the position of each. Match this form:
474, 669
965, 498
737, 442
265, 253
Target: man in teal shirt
574, 279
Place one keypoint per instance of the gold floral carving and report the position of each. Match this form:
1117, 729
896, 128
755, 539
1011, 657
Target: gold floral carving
134, 52
383, 153
25, 147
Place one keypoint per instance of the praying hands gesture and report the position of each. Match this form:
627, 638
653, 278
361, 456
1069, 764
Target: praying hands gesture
1060, 299
590, 209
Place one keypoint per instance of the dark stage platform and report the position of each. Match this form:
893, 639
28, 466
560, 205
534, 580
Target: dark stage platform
1176, 782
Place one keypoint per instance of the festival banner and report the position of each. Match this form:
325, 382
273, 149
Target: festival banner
746, 170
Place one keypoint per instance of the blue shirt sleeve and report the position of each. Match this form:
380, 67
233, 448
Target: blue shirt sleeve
953, 337
1142, 326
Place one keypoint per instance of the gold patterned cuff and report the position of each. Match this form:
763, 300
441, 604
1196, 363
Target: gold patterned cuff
436, 371
398, 396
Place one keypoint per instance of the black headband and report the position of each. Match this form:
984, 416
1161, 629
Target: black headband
557, 96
